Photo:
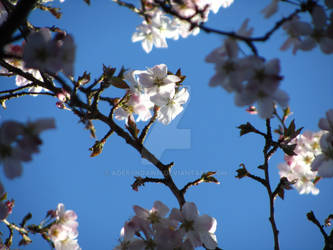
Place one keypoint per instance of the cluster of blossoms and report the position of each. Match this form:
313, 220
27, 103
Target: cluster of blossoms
313, 159
323, 162
18, 142
183, 229
304, 35
154, 87
158, 26
63, 232
297, 168
251, 78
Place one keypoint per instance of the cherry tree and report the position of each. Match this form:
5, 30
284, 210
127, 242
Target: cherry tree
123, 106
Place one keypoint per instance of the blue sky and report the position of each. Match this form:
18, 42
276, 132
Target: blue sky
203, 138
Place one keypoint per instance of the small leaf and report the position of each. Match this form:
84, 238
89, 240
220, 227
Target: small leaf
208, 177
179, 74
288, 149
119, 83
241, 172
246, 128
281, 193
84, 79
121, 72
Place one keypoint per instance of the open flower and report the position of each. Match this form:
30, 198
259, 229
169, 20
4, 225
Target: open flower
171, 104
198, 229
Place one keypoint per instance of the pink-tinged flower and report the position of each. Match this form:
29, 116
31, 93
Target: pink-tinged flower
198, 229
64, 232
156, 79
154, 217
171, 104
298, 167
301, 175
138, 104
67, 218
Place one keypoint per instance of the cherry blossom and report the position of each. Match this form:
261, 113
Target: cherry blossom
47, 54
18, 142
198, 229
184, 229
138, 104
159, 26
150, 36
298, 167
157, 80
64, 232
171, 104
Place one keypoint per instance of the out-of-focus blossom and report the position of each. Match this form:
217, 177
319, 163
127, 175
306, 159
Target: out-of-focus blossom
327, 122
306, 36
323, 163
295, 29
270, 9
3, 13
50, 55
18, 142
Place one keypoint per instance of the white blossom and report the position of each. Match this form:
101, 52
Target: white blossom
171, 104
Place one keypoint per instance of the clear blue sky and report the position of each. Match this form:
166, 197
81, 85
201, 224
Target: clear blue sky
203, 138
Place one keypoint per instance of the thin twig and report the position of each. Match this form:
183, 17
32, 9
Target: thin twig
148, 126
